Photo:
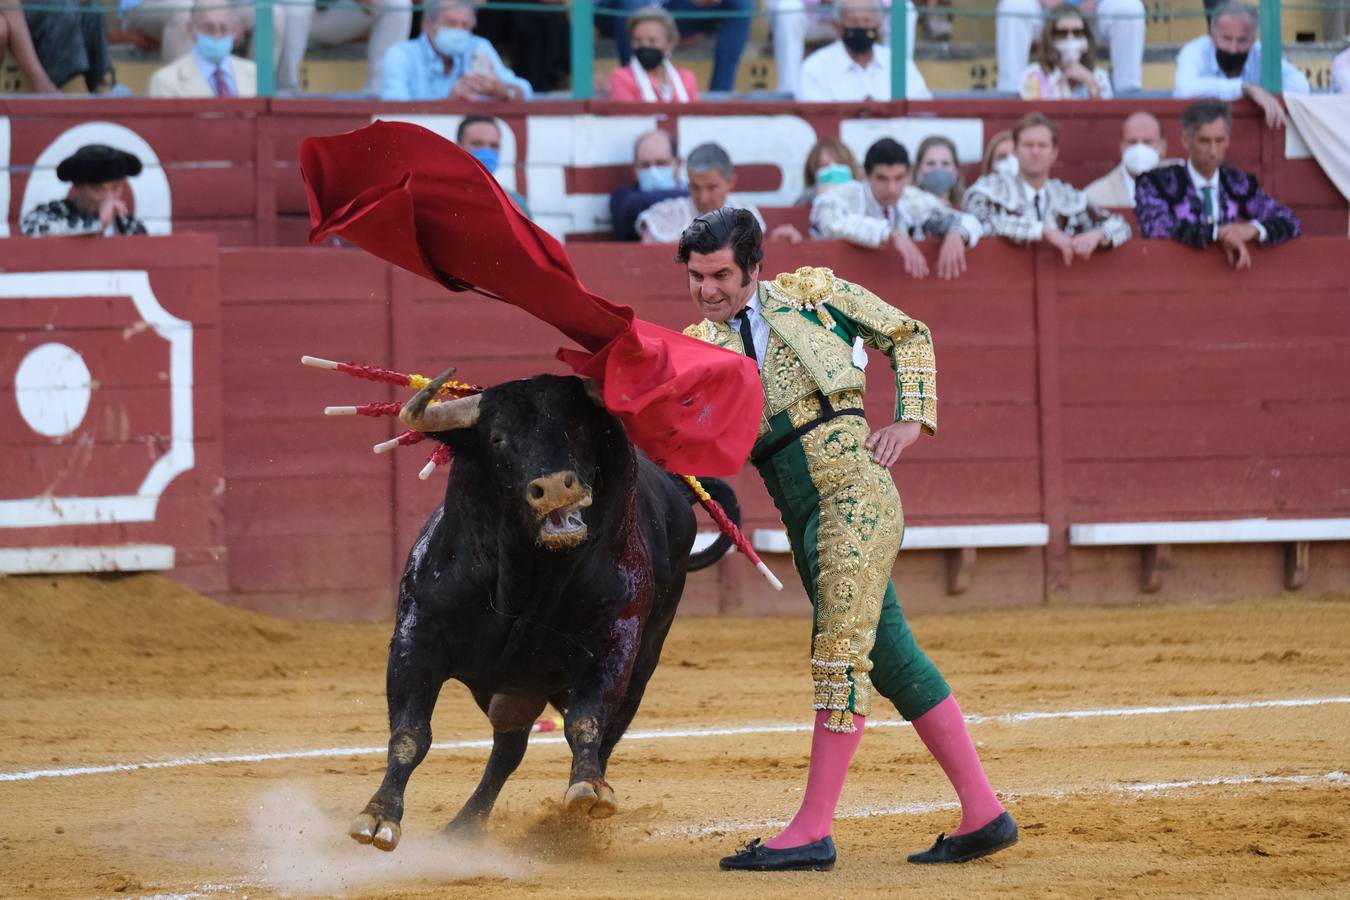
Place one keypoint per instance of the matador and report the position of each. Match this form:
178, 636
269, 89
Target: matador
828, 474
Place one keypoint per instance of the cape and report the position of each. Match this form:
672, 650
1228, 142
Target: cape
412, 198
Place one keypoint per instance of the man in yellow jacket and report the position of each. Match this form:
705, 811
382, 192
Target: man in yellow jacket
827, 472
210, 70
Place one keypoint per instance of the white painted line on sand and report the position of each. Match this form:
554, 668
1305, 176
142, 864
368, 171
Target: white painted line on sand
1333, 779
673, 734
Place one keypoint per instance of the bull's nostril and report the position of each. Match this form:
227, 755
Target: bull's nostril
536, 492
568, 481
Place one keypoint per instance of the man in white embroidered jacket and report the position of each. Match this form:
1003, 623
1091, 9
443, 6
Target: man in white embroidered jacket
1031, 206
888, 209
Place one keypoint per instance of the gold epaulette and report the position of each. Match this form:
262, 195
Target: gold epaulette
805, 288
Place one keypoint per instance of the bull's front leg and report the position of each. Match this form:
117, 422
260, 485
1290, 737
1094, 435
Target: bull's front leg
415, 675
596, 701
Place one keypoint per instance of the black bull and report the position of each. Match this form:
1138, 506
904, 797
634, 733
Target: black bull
549, 575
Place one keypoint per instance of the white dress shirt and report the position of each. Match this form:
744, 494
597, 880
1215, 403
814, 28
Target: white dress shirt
1213, 182
1198, 73
831, 76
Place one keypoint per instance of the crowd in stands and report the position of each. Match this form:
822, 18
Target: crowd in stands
1045, 49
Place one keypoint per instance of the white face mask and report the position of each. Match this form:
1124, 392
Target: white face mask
1139, 158
1007, 166
1071, 50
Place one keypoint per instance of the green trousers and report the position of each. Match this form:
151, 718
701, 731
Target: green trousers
826, 474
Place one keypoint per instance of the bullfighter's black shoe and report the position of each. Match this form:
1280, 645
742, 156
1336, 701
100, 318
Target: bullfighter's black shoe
755, 857
1000, 833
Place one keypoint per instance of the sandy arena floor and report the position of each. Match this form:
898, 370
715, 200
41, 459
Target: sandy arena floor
1145, 751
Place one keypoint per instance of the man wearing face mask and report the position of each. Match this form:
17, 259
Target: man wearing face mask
210, 70
482, 137
1141, 149
449, 61
97, 203
1226, 64
1032, 207
889, 211
656, 169
1205, 202
857, 66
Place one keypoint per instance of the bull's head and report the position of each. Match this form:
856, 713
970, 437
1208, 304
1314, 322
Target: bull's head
544, 442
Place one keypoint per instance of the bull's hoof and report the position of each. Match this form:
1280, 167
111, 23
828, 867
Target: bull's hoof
367, 829
587, 799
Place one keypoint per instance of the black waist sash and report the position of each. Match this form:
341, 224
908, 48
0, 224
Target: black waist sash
761, 455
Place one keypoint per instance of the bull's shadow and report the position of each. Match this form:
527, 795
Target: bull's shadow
550, 574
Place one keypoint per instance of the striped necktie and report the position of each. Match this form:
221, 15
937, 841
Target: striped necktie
219, 84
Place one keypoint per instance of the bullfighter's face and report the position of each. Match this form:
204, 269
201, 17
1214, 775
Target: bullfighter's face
719, 286
1207, 146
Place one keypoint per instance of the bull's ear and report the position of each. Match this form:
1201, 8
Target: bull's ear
593, 391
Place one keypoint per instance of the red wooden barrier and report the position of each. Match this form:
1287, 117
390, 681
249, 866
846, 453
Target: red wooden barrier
111, 441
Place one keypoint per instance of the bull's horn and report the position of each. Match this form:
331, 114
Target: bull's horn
448, 416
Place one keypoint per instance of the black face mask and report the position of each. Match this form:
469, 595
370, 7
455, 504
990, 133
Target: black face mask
1230, 63
648, 57
859, 40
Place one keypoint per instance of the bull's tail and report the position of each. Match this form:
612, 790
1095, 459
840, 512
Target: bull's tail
721, 492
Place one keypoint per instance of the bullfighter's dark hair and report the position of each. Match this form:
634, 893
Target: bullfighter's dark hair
726, 227
1202, 112
475, 119
885, 152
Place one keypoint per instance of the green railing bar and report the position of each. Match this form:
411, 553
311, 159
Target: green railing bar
583, 48
899, 44
264, 45
1272, 78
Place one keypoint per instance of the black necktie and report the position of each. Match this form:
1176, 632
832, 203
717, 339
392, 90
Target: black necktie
1039, 214
747, 336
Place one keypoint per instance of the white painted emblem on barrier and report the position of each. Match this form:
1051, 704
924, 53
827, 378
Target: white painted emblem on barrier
966, 134
154, 204
37, 512
779, 141
52, 387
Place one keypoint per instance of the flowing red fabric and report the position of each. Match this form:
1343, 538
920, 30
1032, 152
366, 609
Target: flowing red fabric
408, 196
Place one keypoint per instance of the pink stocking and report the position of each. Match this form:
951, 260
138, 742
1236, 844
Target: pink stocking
944, 733
831, 753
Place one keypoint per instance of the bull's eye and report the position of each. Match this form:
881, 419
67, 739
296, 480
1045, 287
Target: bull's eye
498, 441
568, 481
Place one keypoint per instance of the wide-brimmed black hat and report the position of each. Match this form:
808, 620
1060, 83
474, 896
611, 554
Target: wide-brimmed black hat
94, 163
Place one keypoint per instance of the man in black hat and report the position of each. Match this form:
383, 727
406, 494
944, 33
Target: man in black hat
98, 177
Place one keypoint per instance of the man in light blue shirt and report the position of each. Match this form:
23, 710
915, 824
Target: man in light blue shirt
449, 61
1226, 64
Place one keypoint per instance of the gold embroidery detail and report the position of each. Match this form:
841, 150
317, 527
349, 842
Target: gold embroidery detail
806, 288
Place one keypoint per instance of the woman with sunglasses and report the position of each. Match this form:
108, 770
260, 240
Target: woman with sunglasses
1066, 61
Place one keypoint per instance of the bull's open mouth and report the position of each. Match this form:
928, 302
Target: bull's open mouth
563, 527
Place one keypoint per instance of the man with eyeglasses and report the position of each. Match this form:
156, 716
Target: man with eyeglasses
1120, 25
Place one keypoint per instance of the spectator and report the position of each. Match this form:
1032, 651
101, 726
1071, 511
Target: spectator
733, 31
96, 203
856, 67
1032, 206
656, 170
537, 43
210, 70
482, 137
1205, 202
17, 39
448, 60
1066, 63
1340, 72
999, 156
889, 210
1226, 64
1141, 147
938, 171
795, 22
650, 76
166, 23
1120, 23
70, 37
383, 23
829, 157
711, 179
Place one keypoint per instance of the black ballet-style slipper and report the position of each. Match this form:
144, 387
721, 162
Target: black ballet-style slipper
755, 857
998, 834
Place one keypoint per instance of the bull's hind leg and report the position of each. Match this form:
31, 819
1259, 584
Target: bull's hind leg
416, 673
512, 719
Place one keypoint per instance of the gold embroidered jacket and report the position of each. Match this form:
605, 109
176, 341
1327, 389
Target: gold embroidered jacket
826, 359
